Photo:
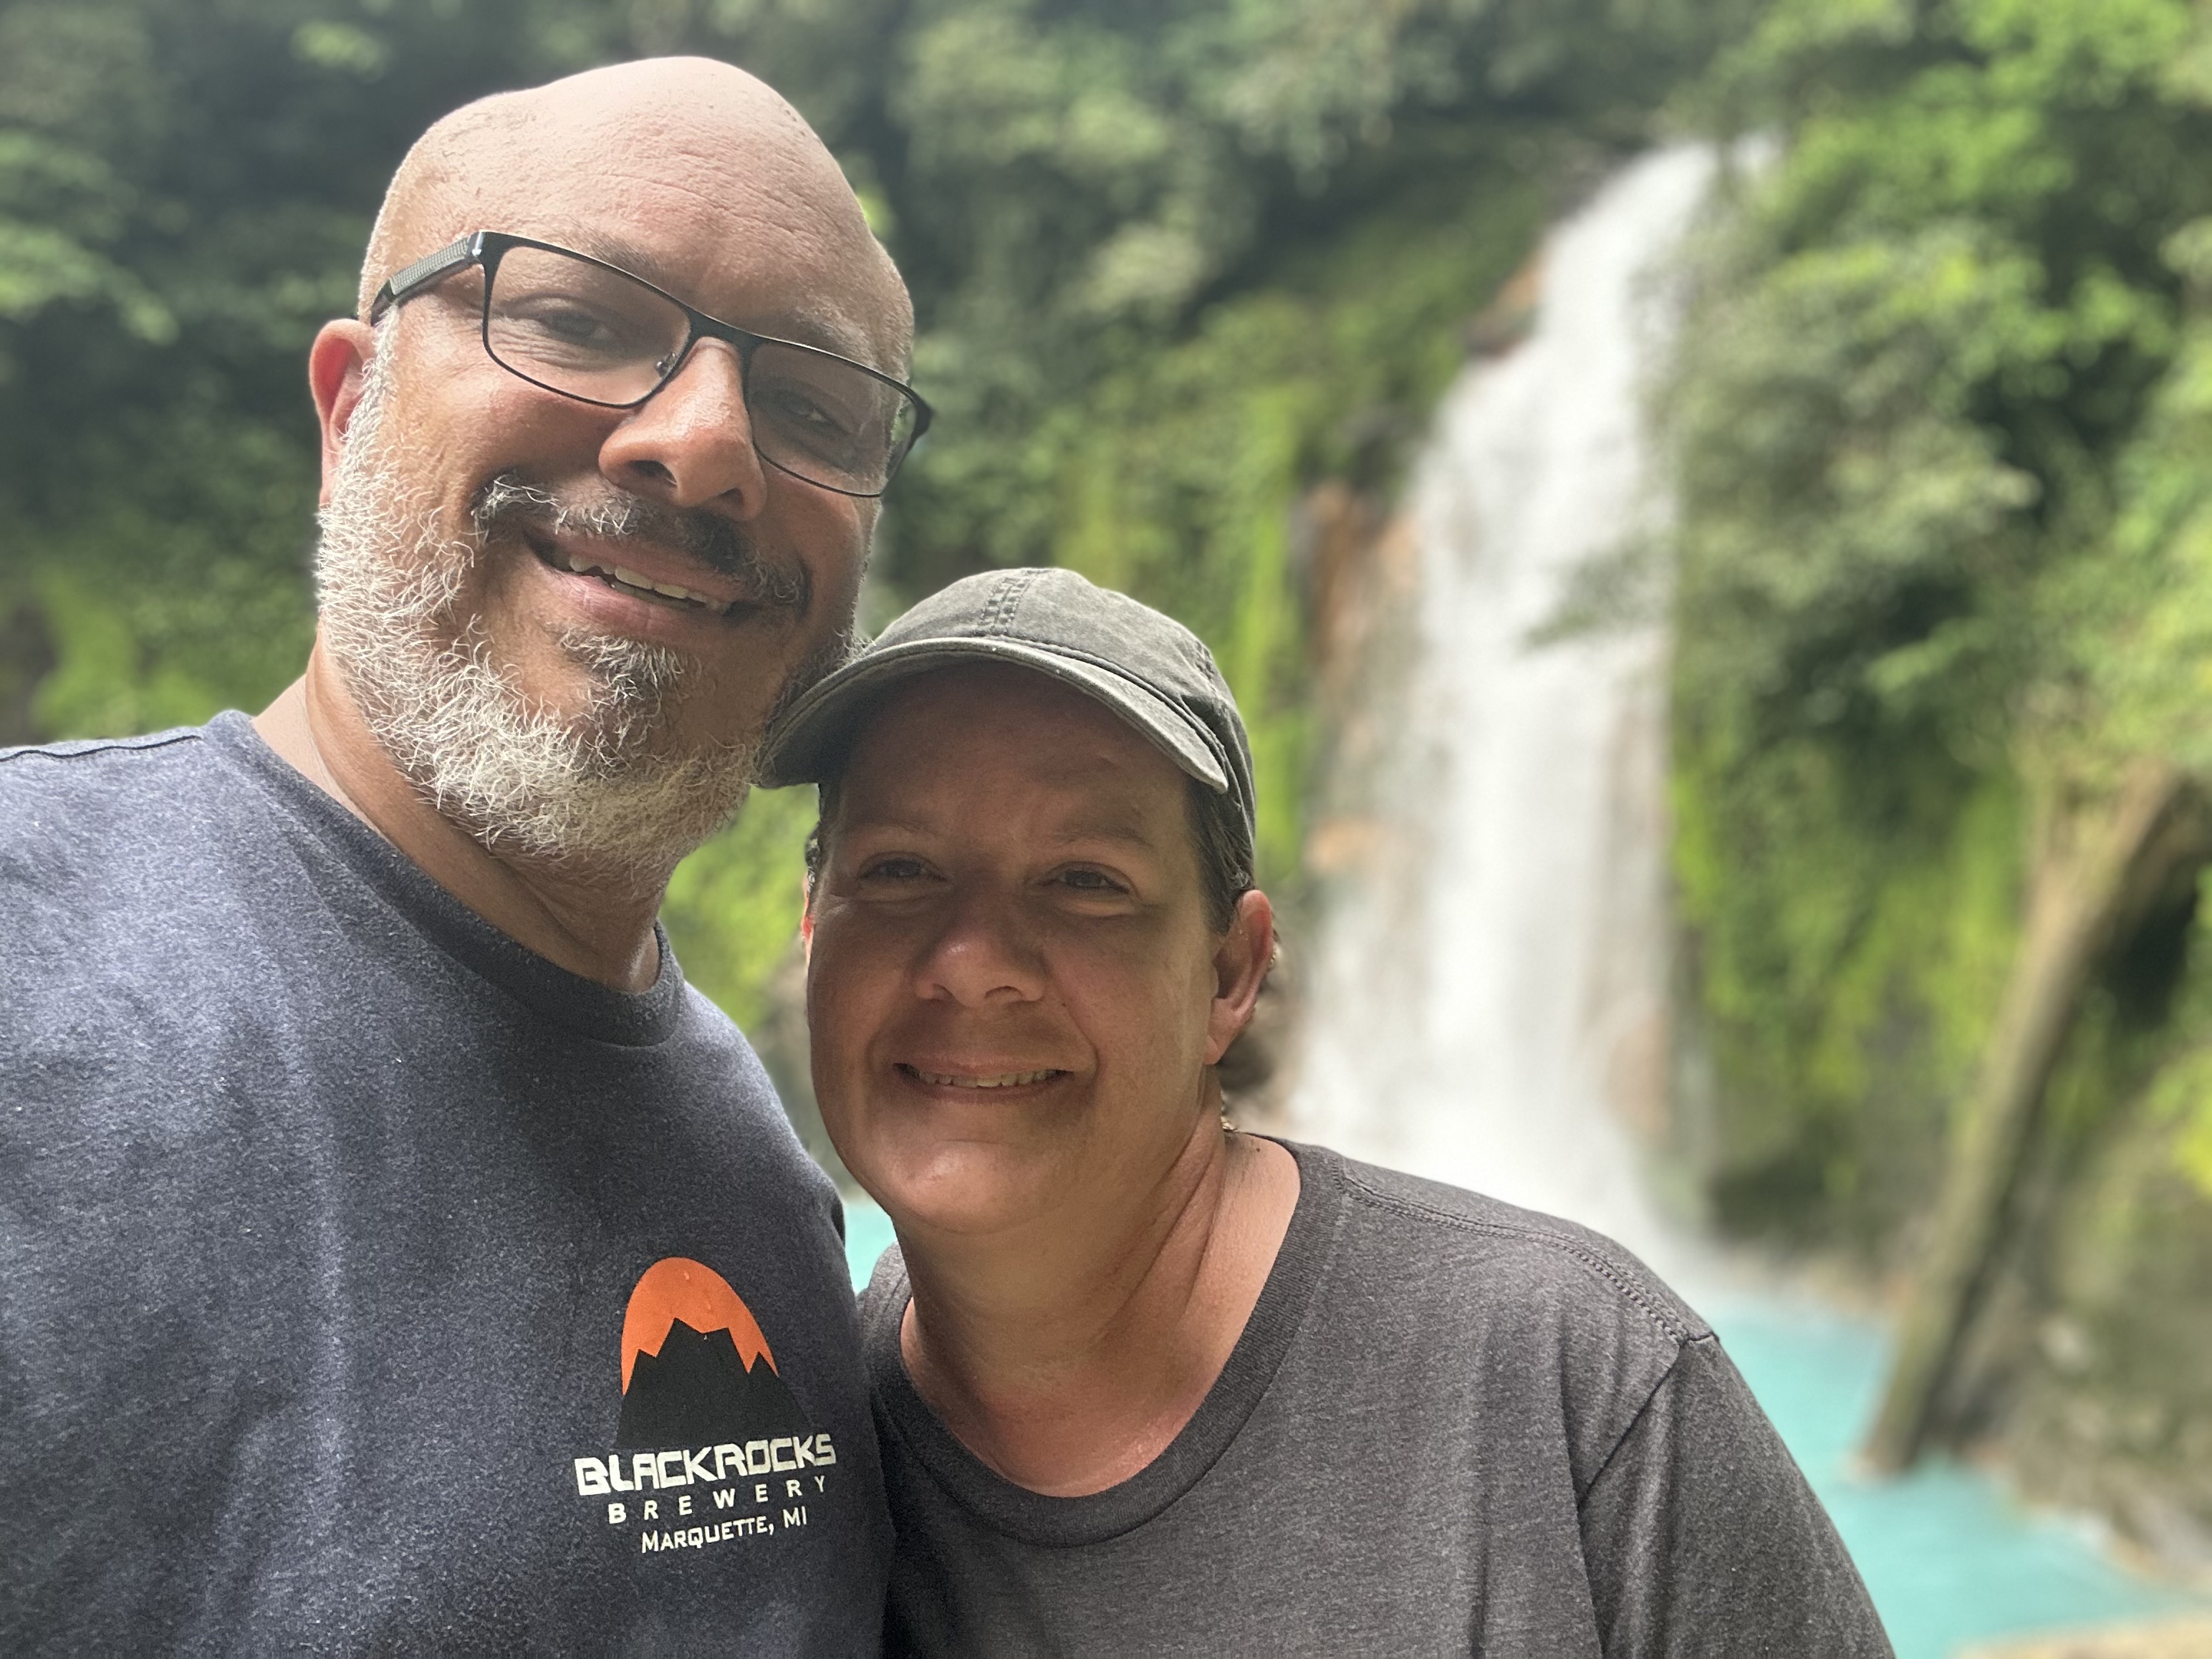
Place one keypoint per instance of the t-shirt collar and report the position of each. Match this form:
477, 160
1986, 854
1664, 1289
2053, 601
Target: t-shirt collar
582, 1005
1061, 1522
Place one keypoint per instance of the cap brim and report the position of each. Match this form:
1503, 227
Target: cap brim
808, 740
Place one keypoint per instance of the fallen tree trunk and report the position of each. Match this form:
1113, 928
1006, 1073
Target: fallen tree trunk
2094, 868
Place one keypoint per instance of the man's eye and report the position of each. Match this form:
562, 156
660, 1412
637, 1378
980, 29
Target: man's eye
579, 327
801, 411
552, 324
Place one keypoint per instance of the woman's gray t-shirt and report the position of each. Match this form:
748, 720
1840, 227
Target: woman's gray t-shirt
1450, 1426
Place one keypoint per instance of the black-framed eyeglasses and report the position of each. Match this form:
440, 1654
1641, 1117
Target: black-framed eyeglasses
592, 331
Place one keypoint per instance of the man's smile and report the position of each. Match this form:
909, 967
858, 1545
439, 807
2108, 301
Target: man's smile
625, 579
631, 586
639, 572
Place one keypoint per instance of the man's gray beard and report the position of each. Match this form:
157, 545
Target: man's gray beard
587, 789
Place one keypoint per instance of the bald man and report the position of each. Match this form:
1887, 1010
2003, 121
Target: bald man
398, 1257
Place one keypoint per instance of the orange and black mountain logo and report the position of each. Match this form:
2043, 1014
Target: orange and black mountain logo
712, 1445
696, 1368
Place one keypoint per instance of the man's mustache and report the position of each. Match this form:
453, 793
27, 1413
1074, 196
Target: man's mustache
616, 515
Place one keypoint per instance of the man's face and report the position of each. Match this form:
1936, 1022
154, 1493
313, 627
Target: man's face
527, 524
1010, 975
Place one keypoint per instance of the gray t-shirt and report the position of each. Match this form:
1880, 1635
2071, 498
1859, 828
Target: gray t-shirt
370, 1285
1450, 1427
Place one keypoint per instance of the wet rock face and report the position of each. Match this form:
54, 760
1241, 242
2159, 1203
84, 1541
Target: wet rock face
2108, 1405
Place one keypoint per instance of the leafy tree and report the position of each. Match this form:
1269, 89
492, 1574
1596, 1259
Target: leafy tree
184, 189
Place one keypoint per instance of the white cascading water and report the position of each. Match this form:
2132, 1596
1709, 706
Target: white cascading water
1488, 991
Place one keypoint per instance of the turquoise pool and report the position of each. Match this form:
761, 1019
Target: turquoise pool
867, 1236
1946, 1555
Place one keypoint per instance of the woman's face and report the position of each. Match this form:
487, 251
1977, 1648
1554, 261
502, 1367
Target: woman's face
1013, 990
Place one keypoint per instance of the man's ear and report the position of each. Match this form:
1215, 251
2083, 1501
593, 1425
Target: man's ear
336, 363
1241, 961
806, 915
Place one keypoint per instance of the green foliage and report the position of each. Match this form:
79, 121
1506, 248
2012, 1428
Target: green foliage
2180, 1091
184, 191
1940, 422
2149, 662
732, 909
1076, 184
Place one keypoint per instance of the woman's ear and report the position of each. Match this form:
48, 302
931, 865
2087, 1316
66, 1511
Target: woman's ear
1241, 962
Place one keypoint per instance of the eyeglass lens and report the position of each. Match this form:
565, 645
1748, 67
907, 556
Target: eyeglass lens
593, 333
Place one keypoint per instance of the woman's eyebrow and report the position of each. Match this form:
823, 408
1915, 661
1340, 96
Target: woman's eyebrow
1116, 828
879, 824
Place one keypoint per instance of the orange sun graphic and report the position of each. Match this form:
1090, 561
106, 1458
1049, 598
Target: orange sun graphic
674, 1288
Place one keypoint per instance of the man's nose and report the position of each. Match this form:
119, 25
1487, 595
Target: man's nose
983, 956
691, 443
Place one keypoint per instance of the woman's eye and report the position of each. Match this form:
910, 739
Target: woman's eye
893, 869
1090, 881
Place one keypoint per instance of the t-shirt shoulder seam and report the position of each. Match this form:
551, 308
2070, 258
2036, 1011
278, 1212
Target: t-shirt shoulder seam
79, 747
1589, 1259
1637, 1416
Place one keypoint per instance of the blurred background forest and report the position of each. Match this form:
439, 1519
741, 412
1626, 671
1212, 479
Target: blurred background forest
1190, 276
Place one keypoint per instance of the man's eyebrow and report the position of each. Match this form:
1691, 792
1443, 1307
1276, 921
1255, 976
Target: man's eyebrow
808, 327
616, 250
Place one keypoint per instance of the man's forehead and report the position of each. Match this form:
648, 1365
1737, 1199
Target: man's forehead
692, 175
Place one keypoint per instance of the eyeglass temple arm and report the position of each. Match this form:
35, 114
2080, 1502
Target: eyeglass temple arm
424, 271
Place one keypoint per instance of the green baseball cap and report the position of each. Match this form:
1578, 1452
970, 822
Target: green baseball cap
1147, 668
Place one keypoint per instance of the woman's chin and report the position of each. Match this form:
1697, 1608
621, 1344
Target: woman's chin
967, 1189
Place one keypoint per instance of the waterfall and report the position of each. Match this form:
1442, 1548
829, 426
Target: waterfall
1487, 996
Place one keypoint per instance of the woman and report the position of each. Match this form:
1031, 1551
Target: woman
1146, 1385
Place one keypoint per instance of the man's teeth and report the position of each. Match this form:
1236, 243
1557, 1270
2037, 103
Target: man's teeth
623, 576
1004, 1080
